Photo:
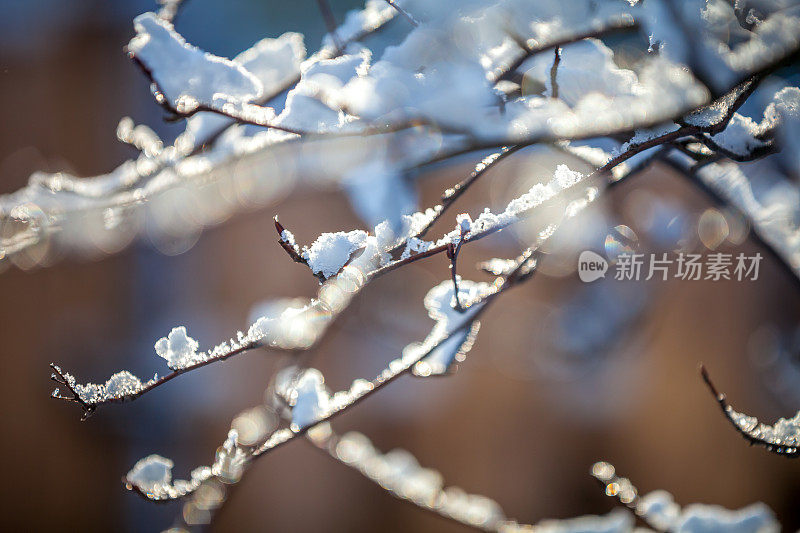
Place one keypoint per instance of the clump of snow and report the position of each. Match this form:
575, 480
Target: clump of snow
151, 474
563, 178
443, 350
122, 384
310, 399
740, 136
585, 66
177, 348
659, 509
140, 136
329, 253
274, 61
699, 518
464, 223
186, 75
311, 105
785, 109
498, 266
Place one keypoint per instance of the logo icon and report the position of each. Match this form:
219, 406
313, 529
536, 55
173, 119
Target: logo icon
591, 266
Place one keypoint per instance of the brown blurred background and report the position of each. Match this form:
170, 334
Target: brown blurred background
522, 420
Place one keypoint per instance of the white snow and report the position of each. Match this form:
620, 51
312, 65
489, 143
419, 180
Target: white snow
329, 253
498, 266
785, 432
118, 386
444, 351
186, 75
122, 384
659, 509
617, 521
310, 399
177, 348
399, 472
699, 518
274, 62
151, 474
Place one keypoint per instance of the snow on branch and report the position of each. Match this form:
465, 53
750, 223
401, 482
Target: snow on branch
399, 473
659, 511
456, 78
451, 92
186, 76
331, 258
152, 475
310, 404
781, 438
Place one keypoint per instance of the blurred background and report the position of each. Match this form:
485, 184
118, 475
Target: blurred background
563, 373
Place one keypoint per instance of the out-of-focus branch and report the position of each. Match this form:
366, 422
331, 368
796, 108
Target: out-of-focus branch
330, 23
415, 487
625, 25
554, 72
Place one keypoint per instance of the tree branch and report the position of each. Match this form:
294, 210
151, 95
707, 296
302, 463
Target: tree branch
750, 428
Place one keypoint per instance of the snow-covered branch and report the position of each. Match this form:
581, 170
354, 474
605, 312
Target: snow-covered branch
341, 92
781, 438
367, 111
659, 511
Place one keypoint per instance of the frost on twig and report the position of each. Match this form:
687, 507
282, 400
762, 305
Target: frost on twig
781, 438
660, 512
